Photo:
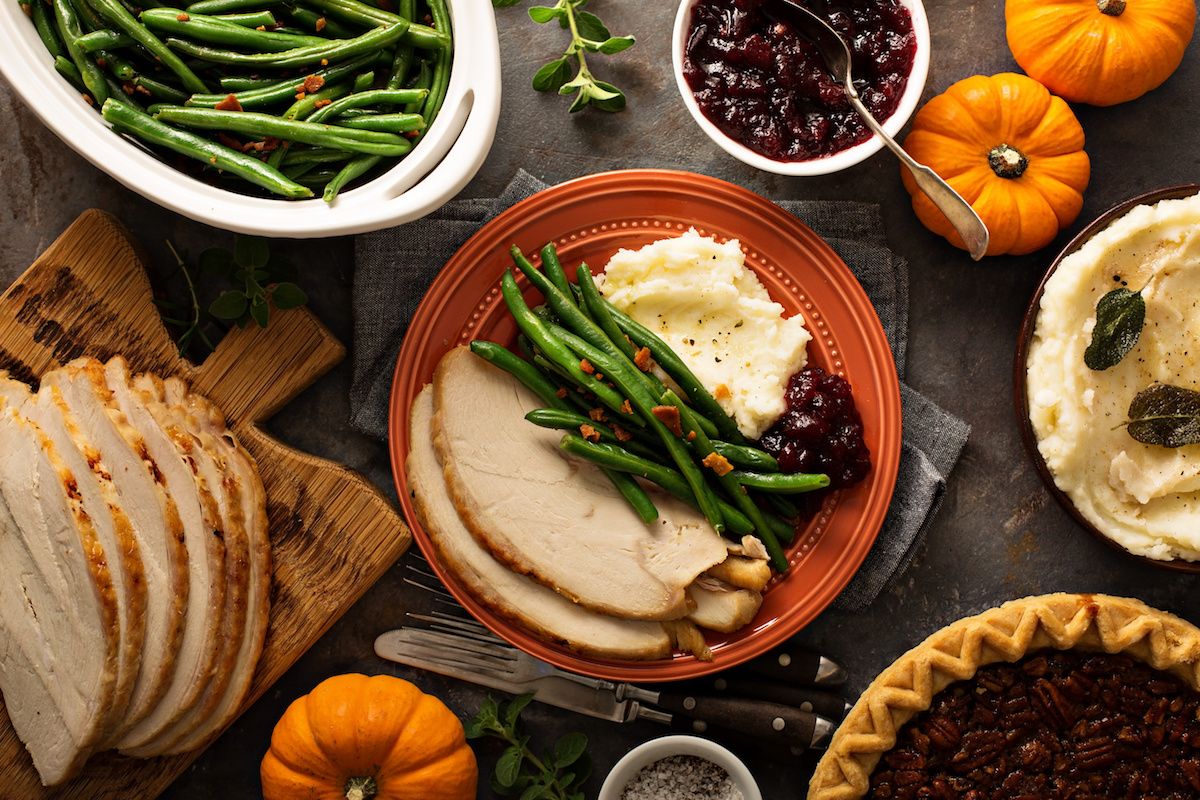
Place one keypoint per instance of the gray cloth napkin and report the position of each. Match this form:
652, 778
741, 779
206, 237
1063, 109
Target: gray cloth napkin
393, 272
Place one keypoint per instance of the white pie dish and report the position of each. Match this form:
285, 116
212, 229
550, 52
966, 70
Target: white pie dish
840, 160
447, 158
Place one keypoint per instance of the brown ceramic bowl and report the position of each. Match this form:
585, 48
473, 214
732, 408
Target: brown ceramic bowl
1020, 394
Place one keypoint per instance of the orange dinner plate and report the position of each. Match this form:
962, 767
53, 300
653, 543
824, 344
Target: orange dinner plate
589, 220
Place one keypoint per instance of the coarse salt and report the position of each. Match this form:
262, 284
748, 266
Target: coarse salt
682, 778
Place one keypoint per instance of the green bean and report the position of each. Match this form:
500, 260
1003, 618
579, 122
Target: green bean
364, 81
66, 67
256, 124
282, 90
441, 63
348, 173
547, 391
316, 155
227, 6
391, 123
302, 109
422, 80
368, 98
628, 379
118, 15
250, 19
594, 303
571, 420
728, 481
234, 83
747, 457
244, 166
103, 40
212, 29
160, 91
791, 483
117, 89
328, 51
320, 24
403, 60
67, 22
420, 36
45, 30
671, 364
554, 270
119, 67
617, 458
88, 17
533, 327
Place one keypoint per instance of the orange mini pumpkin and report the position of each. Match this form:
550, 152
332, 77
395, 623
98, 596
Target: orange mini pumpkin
1012, 150
1101, 52
358, 738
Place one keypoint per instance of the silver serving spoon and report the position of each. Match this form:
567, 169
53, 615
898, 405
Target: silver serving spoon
836, 55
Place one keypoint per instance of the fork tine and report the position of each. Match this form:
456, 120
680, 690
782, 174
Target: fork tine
438, 592
462, 657
444, 659
465, 628
457, 644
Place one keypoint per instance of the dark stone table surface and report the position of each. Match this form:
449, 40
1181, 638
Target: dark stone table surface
999, 534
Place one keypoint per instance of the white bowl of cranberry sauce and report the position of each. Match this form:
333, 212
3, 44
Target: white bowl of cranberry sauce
761, 91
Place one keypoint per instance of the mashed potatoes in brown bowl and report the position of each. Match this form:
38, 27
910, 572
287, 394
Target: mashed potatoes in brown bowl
1144, 498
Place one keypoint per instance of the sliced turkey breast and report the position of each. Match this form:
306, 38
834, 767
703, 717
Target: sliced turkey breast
58, 606
214, 473
721, 607
515, 597
743, 572
558, 521
142, 493
93, 480
171, 450
206, 420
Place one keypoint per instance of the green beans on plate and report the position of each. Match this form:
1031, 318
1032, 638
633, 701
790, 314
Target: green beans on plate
246, 88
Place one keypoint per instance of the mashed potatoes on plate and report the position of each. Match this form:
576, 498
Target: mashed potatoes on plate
700, 298
1144, 497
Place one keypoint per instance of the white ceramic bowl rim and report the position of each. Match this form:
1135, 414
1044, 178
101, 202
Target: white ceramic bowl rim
654, 750
819, 166
437, 169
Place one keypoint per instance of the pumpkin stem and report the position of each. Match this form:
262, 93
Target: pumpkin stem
1114, 8
361, 788
1007, 161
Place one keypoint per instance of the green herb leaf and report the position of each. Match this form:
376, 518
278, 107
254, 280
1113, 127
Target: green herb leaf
607, 97
513, 710
260, 311
1165, 416
543, 14
537, 791
509, 766
590, 27
568, 749
229, 306
216, 262
1120, 317
288, 295
616, 44
504, 3
251, 252
550, 77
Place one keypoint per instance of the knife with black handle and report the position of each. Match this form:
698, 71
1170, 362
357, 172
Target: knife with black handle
736, 684
794, 667
763, 722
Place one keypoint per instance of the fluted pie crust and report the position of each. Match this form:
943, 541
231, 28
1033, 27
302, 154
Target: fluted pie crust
1097, 623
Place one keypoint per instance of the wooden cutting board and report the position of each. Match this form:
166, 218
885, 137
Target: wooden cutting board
332, 533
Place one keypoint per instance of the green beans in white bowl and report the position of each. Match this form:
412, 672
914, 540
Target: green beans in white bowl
274, 117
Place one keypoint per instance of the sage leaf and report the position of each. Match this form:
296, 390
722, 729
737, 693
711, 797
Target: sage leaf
1165, 416
1120, 317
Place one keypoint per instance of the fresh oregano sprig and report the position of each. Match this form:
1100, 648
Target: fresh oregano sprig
588, 35
520, 772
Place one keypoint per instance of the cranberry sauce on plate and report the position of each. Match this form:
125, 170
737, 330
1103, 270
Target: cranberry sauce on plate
766, 87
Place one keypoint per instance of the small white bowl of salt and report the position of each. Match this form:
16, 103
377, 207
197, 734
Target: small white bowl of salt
679, 768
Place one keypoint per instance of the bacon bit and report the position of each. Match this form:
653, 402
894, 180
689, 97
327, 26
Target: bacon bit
324, 62
212, 159
27, 9
182, 17
428, 19
128, 88
561, 393
621, 434
642, 359
102, 63
230, 103
599, 376
228, 140
628, 409
587, 367
589, 433
320, 26
722, 392
717, 463
691, 437
597, 414
142, 90
300, 96
411, 134
322, 103
386, 5
313, 83
261, 28
669, 416
87, 98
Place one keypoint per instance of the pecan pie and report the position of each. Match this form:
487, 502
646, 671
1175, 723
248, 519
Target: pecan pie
1061, 696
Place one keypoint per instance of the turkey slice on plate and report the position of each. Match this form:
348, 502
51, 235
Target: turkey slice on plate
558, 521
170, 451
213, 473
721, 607
207, 422
515, 597
142, 493
58, 608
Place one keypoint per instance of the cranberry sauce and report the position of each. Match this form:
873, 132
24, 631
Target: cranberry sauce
765, 86
821, 430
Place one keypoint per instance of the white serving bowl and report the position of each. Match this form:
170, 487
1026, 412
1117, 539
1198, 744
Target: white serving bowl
656, 749
817, 166
443, 162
